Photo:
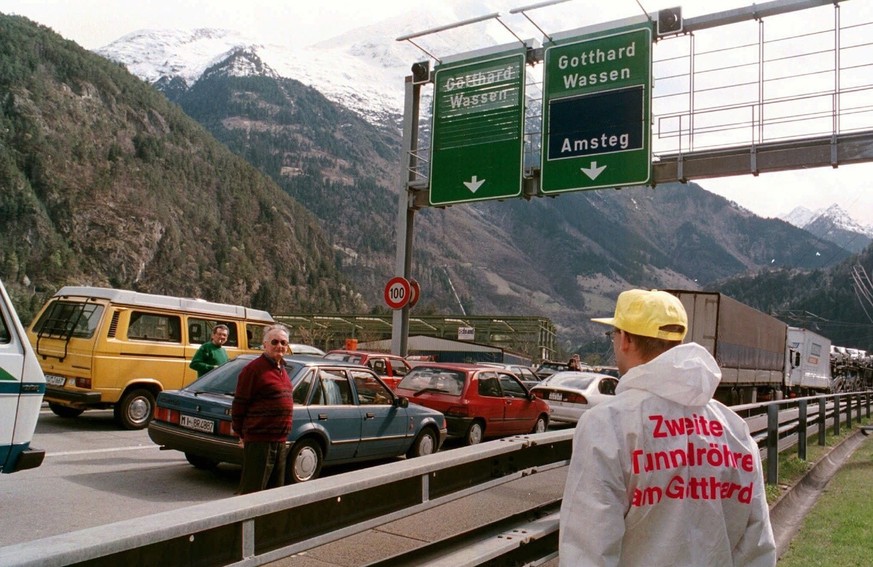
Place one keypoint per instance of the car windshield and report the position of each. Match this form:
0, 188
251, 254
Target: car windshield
438, 380
223, 379
575, 381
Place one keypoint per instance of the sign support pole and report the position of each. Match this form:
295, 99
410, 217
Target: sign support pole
405, 211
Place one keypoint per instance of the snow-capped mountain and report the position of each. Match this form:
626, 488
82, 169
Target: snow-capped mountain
833, 224
363, 70
800, 216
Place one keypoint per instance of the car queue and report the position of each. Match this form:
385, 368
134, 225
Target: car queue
104, 348
344, 412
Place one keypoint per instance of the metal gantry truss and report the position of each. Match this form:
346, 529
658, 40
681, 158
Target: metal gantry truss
531, 336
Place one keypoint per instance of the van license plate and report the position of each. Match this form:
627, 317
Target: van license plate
556, 396
55, 380
200, 424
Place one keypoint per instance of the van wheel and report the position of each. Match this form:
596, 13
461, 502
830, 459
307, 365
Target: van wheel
64, 411
199, 462
304, 461
135, 409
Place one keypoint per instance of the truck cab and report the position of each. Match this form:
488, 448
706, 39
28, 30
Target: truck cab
22, 386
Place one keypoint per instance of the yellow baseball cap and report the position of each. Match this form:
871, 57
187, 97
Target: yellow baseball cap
647, 313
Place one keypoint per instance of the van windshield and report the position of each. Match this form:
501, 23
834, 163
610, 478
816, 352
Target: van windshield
65, 319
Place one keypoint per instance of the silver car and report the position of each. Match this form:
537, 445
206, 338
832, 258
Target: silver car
570, 393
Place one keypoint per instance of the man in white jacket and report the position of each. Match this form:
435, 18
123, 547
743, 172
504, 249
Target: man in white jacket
662, 474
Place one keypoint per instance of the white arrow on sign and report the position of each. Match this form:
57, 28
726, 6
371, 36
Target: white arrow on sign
593, 172
474, 184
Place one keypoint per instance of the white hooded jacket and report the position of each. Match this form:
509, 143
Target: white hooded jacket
662, 475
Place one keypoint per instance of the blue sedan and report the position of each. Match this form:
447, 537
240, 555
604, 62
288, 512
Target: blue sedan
343, 413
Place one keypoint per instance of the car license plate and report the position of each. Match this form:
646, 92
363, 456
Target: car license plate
197, 423
556, 396
55, 380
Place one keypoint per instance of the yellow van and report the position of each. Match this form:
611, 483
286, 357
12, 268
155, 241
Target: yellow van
102, 348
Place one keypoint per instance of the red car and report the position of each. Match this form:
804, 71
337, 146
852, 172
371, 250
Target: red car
478, 402
390, 367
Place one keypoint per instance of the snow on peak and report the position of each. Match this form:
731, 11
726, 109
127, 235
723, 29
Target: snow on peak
799, 216
363, 69
155, 54
834, 215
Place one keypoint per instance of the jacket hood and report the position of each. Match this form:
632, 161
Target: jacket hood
686, 374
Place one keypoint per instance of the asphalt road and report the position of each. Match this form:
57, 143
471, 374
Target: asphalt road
94, 474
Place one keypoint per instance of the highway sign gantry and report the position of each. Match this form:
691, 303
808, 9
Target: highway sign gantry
597, 111
478, 122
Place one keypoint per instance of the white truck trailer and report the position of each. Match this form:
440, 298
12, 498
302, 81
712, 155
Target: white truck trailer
749, 345
808, 368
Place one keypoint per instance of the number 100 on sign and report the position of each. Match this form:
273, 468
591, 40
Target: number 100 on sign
397, 292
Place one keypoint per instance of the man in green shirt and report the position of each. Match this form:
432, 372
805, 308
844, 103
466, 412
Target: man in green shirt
211, 355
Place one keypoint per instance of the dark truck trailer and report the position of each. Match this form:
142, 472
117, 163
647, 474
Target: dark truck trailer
749, 345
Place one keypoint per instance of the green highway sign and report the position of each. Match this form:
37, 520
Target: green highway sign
478, 121
597, 111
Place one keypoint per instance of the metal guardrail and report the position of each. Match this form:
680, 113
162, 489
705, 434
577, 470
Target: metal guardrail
266, 526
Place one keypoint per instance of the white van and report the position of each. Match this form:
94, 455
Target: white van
22, 386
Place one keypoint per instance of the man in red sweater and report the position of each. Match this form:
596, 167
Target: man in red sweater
261, 414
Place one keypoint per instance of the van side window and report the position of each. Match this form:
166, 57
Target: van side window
200, 331
4, 331
154, 327
255, 336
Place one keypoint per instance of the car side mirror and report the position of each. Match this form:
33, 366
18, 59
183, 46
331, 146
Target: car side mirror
401, 402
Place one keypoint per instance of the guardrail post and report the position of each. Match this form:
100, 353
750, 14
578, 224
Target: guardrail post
801, 431
867, 402
849, 412
822, 421
858, 407
772, 444
837, 414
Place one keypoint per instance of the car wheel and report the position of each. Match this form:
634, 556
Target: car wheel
425, 444
474, 433
135, 409
304, 461
64, 411
541, 425
201, 462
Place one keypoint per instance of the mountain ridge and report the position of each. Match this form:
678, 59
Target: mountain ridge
565, 257
495, 267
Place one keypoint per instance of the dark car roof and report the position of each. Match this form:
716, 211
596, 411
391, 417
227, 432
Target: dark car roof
306, 360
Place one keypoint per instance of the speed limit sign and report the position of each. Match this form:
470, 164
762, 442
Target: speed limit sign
397, 292
414, 292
